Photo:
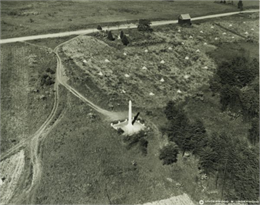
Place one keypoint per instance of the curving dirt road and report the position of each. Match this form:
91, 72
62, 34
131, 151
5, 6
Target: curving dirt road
123, 26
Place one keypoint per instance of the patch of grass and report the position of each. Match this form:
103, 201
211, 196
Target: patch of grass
85, 161
30, 18
25, 104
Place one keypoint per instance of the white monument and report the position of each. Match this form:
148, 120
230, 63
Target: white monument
130, 126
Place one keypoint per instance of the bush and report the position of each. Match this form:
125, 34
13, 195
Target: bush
169, 154
144, 25
49, 70
125, 40
110, 36
137, 139
122, 34
99, 28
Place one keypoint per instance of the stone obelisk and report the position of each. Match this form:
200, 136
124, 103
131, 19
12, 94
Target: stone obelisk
130, 113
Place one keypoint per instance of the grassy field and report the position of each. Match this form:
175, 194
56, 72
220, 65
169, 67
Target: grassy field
86, 161
37, 17
25, 104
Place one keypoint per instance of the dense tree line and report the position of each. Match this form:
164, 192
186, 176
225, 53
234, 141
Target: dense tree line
226, 158
237, 83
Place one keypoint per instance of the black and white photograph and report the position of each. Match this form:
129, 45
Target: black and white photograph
135, 102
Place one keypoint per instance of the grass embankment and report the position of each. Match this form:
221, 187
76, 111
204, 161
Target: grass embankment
30, 18
26, 99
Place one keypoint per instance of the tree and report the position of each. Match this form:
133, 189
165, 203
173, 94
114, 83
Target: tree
125, 40
122, 34
169, 154
249, 98
208, 160
240, 5
110, 36
230, 98
144, 25
99, 28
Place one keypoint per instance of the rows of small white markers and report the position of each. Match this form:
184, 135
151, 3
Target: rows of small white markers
170, 48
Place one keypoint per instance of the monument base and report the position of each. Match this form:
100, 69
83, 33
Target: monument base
128, 128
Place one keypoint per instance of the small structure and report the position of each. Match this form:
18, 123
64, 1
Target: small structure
184, 19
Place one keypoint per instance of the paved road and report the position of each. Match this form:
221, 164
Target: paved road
123, 26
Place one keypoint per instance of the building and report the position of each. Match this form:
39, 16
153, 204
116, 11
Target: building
184, 19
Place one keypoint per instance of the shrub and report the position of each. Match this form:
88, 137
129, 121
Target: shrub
122, 34
125, 40
169, 154
110, 36
144, 25
99, 28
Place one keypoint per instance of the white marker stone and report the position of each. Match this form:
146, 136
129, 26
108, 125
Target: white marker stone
205, 67
151, 94
107, 61
146, 50
100, 73
178, 91
125, 54
212, 27
123, 91
182, 43
162, 80
252, 29
224, 33
187, 58
198, 50
205, 43
190, 37
84, 61
186, 76
201, 31
230, 25
179, 30
127, 76
170, 48
162, 62
144, 68
216, 38
246, 33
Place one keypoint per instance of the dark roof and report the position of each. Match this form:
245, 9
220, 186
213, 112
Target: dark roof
185, 16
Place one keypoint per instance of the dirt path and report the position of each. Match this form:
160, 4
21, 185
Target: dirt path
123, 26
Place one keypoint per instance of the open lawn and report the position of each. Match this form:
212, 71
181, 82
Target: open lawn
37, 17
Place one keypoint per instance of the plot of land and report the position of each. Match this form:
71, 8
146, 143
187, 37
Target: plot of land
25, 101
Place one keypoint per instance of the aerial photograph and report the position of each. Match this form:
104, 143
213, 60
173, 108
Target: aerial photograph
150, 102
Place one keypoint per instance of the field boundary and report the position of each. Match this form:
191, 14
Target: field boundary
123, 26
